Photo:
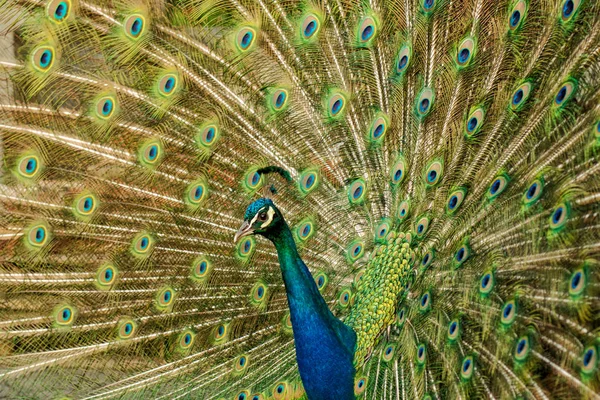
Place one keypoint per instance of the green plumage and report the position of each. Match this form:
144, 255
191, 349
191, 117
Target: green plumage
438, 167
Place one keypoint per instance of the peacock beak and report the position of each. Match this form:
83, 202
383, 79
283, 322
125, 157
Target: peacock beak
245, 230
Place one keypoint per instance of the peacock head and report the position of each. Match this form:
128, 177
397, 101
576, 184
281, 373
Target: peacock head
261, 217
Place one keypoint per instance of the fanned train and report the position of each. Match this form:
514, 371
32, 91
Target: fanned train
427, 170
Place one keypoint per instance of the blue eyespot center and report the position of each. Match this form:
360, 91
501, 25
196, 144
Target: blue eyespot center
45, 58
428, 4
167, 296
460, 254
378, 131
466, 365
424, 105
107, 107
345, 296
453, 326
357, 250
515, 18
472, 124
169, 84
66, 314
136, 26
246, 40
575, 280
40, 234
425, 259
420, 228
532, 190
321, 281
357, 192
203, 267
421, 351
361, 383
306, 230
367, 32
431, 176
280, 100
108, 274
453, 201
507, 310
518, 96
485, 281
210, 134
463, 56
247, 246
310, 29
557, 215
568, 8
128, 328
562, 93
221, 330
255, 178
152, 152
198, 192
280, 389
424, 300
144, 243
187, 339
521, 346
61, 11
242, 361
388, 351
260, 292
337, 106
30, 166
398, 175
309, 181
587, 357
87, 204
495, 186
403, 212
403, 62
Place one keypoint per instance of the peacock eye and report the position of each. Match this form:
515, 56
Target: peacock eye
262, 216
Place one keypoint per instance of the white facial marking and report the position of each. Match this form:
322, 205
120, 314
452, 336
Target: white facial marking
270, 214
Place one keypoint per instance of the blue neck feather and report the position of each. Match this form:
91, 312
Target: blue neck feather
324, 345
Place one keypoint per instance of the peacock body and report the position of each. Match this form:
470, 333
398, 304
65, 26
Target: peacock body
434, 225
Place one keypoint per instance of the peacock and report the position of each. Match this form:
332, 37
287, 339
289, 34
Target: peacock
311, 199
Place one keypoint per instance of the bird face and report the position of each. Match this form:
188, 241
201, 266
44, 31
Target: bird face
260, 218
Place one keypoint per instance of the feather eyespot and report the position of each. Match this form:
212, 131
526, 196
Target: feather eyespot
106, 276
336, 105
422, 226
164, 298
497, 187
344, 297
355, 250
126, 328
397, 171
533, 192
517, 15
427, 259
461, 255
433, 173
486, 283
64, 315
455, 200
453, 330
401, 317
403, 59
378, 128
321, 280
309, 181
560, 216
569, 8
578, 282
168, 84
280, 390
208, 135
425, 302
58, 10
425, 102
105, 107
357, 191
367, 30
360, 385
245, 248
42, 58
305, 230
589, 360
509, 313
564, 94
142, 245
135, 26
522, 349
465, 52
403, 210
474, 122
245, 39
310, 27
186, 339
427, 5
201, 268
467, 368
382, 230
29, 166
278, 100
520, 96
38, 235
421, 354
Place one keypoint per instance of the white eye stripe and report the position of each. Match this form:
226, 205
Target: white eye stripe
270, 214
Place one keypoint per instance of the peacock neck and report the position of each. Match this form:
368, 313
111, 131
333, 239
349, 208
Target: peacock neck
324, 345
